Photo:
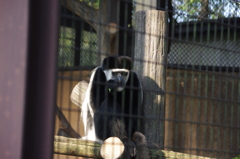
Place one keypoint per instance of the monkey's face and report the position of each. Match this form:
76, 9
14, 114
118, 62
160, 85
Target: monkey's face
117, 78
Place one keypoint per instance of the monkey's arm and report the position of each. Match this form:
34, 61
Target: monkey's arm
65, 129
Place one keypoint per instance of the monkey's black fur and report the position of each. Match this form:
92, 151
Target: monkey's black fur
117, 62
116, 108
117, 114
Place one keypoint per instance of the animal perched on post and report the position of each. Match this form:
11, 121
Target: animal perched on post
113, 105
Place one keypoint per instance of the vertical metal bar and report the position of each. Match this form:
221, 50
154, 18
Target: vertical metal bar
41, 79
13, 44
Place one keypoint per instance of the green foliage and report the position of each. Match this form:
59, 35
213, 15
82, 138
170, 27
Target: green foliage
190, 6
92, 3
88, 51
238, 157
66, 45
190, 9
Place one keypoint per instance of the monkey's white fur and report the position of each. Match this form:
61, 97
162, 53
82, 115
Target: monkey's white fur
89, 128
88, 125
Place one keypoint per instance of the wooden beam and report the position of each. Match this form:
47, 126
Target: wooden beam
76, 147
85, 148
149, 63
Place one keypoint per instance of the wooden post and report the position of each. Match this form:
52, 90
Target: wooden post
149, 63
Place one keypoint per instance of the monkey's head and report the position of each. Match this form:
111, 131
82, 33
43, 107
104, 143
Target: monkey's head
117, 70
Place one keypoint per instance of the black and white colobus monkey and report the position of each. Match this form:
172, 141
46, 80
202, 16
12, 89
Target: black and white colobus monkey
113, 102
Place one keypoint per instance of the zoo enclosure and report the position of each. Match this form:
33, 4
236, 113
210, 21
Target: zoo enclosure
194, 80
201, 113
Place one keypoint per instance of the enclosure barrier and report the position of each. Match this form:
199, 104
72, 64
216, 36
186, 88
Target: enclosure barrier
200, 98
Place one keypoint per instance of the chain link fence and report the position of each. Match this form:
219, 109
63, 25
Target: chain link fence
206, 43
202, 102
78, 42
67, 48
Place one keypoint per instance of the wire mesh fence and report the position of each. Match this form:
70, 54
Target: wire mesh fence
201, 91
